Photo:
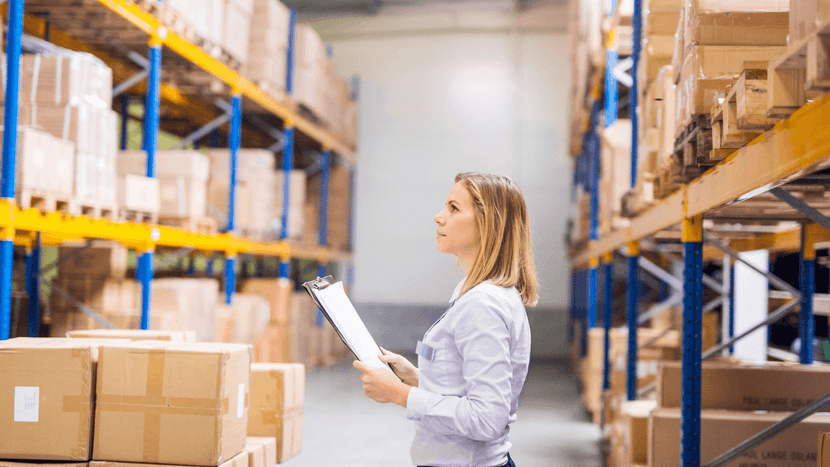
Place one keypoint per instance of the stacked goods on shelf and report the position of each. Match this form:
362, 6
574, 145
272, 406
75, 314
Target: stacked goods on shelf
95, 277
582, 227
615, 174
268, 43
185, 304
182, 178
339, 209
138, 198
296, 200
344, 111
172, 403
69, 95
244, 321
294, 334
256, 180
205, 17
757, 397
716, 40
50, 389
629, 439
309, 70
276, 409
237, 29
45, 170
586, 57
805, 18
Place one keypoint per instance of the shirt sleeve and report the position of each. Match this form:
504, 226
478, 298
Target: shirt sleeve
483, 339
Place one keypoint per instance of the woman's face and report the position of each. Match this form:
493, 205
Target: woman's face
457, 233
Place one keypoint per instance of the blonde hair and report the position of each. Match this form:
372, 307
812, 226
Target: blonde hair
505, 253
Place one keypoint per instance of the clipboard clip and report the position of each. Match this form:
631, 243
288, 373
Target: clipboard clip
321, 283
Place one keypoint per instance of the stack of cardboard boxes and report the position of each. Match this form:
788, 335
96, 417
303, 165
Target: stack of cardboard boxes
296, 203
244, 321
69, 95
615, 176
117, 402
182, 180
267, 47
339, 209
256, 185
223, 24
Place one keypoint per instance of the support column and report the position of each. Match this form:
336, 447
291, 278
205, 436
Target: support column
145, 276
632, 314
692, 317
636, 23
151, 130
236, 128
289, 53
807, 286
191, 265
33, 288
230, 278
608, 293
729, 303
7, 185
125, 122
287, 166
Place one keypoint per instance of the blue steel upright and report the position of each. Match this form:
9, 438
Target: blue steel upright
235, 141
692, 352
607, 302
33, 287
636, 23
807, 282
287, 166
7, 185
325, 173
731, 305
632, 314
125, 122
289, 53
151, 129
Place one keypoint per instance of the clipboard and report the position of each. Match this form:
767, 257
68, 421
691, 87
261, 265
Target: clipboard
344, 319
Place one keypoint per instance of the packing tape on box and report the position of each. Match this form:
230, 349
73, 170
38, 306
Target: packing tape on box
273, 417
153, 404
81, 404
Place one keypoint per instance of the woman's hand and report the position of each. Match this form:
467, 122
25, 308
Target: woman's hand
381, 385
405, 370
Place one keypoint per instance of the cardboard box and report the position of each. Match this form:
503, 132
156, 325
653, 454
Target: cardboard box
269, 446
172, 403
138, 193
237, 31
635, 416
182, 198
824, 450
239, 460
773, 387
806, 16
256, 455
47, 389
184, 305
33, 464
104, 258
751, 23
249, 315
277, 397
91, 130
723, 430
65, 78
191, 165
277, 292
102, 294
44, 163
707, 70
658, 53
267, 46
135, 335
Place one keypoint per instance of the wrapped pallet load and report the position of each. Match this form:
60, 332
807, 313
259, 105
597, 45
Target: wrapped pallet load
267, 47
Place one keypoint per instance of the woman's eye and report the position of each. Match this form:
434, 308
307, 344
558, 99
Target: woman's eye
452, 208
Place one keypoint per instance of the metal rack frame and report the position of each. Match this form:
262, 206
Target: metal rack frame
793, 148
33, 229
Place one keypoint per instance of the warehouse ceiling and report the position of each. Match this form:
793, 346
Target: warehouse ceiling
308, 8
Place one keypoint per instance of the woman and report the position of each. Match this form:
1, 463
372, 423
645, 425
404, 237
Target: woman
472, 363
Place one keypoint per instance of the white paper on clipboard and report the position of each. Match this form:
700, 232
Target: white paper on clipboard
343, 316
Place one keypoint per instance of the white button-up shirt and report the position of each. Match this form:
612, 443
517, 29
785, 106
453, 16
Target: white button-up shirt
468, 391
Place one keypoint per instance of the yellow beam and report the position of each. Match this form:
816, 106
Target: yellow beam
153, 27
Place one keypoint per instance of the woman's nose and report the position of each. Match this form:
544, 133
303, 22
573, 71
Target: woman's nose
438, 219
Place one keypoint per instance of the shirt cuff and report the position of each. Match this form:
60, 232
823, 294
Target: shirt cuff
416, 403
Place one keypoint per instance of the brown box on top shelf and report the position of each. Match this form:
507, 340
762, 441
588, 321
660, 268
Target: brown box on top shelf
103, 258
239, 460
135, 335
269, 446
139, 193
309, 71
146, 389
268, 42
771, 386
65, 78
743, 22
707, 70
237, 30
723, 430
277, 398
278, 294
48, 390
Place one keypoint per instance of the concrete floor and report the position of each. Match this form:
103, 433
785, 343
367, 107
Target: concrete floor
345, 428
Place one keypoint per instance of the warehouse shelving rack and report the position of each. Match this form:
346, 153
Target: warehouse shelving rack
32, 228
792, 150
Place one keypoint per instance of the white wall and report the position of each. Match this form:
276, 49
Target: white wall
479, 93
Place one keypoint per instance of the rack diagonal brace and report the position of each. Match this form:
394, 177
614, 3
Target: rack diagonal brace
770, 432
129, 82
677, 283
68, 257
87, 310
775, 280
203, 131
802, 207
173, 258
775, 316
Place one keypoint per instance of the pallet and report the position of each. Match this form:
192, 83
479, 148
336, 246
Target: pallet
98, 209
802, 73
204, 225
29, 198
138, 217
692, 148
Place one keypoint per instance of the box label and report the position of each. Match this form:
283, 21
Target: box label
26, 403
240, 401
